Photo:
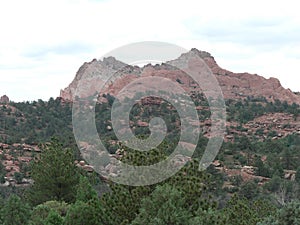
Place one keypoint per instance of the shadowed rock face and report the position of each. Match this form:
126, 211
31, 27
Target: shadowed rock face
233, 85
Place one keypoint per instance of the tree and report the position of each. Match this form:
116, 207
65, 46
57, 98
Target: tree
208, 217
85, 192
121, 204
244, 144
54, 218
287, 158
297, 178
15, 212
195, 186
274, 184
238, 211
249, 190
18, 176
288, 215
166, 205
41, 212
87, 213
262, 170
55, 175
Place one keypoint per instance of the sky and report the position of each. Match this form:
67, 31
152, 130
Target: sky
43, 43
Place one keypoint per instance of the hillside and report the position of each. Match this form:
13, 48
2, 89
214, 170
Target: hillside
255, 173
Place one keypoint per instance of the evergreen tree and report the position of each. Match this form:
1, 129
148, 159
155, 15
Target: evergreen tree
55, 175
166, 205
15, 212
85, 192
262, 170
239, 211
122, 204
208, 217
297, 177
87, 213
41, 212
249, 190
288, 215
54, 218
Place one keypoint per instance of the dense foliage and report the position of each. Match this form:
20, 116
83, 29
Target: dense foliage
65, 194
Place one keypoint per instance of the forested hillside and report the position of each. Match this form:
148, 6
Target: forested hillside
255, 178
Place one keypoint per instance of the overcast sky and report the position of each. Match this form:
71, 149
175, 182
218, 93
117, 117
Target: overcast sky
43, 43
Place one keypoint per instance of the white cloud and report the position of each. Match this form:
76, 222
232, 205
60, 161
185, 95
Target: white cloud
45, 42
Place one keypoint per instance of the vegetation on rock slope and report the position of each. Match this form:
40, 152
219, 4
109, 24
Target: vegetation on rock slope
254, 180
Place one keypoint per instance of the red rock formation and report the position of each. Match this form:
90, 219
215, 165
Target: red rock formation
233, 85
4, 99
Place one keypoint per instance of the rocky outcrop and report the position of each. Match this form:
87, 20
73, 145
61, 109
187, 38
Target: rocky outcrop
234, 85
4, 99
241, 85
92, 75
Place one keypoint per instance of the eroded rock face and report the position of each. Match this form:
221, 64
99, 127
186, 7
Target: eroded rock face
90, 81
233, 85
241, 85
4, 99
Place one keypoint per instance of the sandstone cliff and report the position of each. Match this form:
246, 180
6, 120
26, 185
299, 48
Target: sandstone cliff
233, 85
4, 99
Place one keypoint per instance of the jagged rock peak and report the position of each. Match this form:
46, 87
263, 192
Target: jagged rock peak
100, 71
202, 54
205, 56
109, 62
4, 99
113, 62
95, 65
195, 51
233, 85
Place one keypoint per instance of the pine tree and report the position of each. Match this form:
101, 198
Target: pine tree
297, 178
208, 217
15, 212
85, 192
122, 204
55, 175
87, 213
41, 212
288, 215
166, 205
54, 218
